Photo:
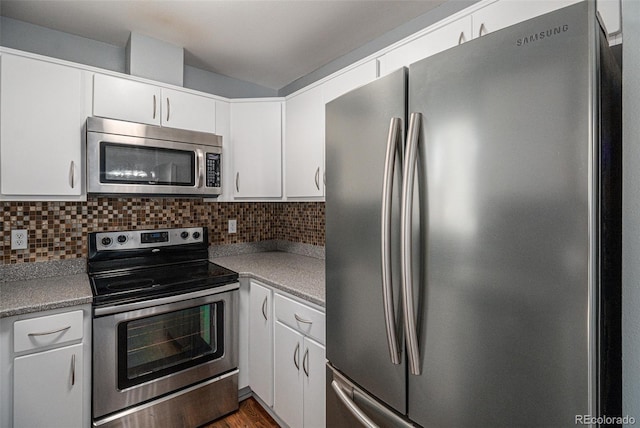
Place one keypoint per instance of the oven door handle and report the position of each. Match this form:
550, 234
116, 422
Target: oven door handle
126, 307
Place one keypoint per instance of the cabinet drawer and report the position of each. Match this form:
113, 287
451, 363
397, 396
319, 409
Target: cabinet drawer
39, 332
306, 320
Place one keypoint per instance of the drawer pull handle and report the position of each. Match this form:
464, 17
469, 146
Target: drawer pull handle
44, 333
296, 357
299, 319
264, 309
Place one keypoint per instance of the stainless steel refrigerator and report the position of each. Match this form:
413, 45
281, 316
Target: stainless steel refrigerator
473, 234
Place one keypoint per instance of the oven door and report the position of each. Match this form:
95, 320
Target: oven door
118, 164
148, 349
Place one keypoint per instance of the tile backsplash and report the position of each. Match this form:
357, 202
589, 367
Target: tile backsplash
58, 230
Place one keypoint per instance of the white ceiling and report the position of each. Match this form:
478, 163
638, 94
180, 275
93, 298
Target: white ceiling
271, 43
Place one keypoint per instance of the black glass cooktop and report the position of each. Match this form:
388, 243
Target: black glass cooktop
160, 281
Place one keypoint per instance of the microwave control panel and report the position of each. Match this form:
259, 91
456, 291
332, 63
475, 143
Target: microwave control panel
213, 169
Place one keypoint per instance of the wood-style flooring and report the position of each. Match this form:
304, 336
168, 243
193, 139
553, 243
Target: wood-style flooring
249, 415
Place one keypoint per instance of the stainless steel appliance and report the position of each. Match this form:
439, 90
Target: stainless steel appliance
126, 157
165, 329
473, 271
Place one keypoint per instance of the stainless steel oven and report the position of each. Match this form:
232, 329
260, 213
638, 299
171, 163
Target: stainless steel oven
165, 329
126, 157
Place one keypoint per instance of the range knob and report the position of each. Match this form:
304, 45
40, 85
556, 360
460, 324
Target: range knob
196, 235
122, 239
184, 235
106, 241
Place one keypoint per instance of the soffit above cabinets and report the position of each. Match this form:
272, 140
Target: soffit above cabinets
270, 43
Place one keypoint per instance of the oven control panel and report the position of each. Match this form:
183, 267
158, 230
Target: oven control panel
136, 239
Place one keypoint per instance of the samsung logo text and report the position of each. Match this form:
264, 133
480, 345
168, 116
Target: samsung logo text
542, 35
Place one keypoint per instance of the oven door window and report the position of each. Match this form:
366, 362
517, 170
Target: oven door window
129, 164
155, 346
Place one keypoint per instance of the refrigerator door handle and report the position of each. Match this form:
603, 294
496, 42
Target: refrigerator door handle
406, 245
394, 140
351, 406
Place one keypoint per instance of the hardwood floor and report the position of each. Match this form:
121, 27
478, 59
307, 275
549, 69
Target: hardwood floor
250, 415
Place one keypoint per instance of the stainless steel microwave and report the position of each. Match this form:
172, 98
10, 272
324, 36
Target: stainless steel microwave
126, 157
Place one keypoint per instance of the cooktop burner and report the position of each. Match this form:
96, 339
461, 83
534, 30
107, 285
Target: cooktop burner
140, 265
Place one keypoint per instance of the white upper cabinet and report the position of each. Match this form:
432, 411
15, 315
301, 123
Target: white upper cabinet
188, 111
610, 11
256, 141
43, 109
504, 13
123, 99
304, 144
426, 45
349, 80
304, 130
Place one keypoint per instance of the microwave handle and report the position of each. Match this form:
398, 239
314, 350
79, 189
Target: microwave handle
201, 168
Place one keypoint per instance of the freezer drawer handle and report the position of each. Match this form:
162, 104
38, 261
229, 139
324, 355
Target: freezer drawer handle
351, 406
394, 145
406, 245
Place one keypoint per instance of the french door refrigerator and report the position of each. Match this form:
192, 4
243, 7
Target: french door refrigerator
473, 234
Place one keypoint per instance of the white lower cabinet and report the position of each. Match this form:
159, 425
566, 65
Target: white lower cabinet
314, 384
261, 342
47, 388
45, 369
299, 379
299, 364
288, 376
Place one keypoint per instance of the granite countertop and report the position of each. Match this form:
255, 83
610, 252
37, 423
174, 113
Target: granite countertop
42, 294
301, 276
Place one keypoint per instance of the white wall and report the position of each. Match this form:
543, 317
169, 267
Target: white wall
631, 209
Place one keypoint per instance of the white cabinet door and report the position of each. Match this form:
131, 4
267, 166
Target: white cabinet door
304, 144
288, 376
313, 362
124, 99
47, 389
347, 81
42, 107
188, 111
504, 13
261, 342
256, 138
424, 46
610, 11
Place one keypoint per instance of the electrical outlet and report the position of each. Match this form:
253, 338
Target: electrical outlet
19, 239
232, 226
